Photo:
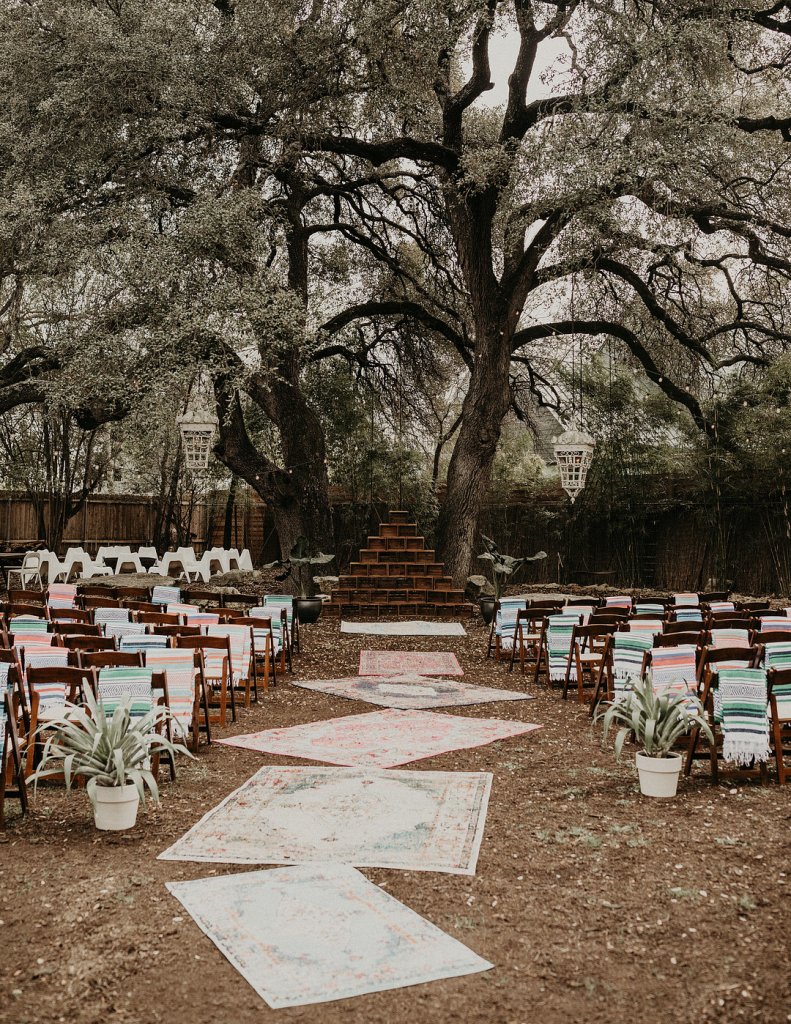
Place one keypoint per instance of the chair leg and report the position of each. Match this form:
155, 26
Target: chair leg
777, 737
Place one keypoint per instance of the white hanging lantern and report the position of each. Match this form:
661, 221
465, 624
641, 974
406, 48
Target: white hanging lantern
197, 431
574, 454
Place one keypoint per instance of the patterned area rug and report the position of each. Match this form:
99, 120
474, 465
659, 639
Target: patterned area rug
421, 663
410, 691
414, 821
312, 934
381, 739
416, 628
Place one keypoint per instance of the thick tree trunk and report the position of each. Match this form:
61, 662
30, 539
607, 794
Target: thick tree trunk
469, 472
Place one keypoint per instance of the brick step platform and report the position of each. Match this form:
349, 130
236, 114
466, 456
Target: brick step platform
396, 574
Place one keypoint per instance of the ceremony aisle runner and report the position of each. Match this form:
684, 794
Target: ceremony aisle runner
410, 691
412, 821
422, 663
312, 934
415, 628
381, 739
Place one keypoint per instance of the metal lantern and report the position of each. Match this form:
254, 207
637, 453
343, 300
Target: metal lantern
197, 430
574, 454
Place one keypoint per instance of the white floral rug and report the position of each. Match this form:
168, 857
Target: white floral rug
313, 934
415, 628
415, 821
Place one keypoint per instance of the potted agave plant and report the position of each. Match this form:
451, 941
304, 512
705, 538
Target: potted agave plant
112, 753
656, 721
503, 567
298, 565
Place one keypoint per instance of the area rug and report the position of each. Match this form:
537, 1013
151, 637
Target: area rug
413, 821
410, 691
416, 628
421, 663
313, 934
381, 739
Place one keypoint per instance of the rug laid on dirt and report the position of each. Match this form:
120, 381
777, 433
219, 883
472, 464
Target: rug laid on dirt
381, 739
413, 821
311, 934
410, 691
421, 663
416, 628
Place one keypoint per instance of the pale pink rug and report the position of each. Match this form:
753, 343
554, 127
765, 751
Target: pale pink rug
381, 739
421, 663
410, 691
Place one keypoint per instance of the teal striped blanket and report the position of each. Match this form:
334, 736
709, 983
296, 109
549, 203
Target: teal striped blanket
741, 709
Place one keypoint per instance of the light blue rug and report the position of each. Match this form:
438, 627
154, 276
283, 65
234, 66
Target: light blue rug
311, 934
416, 628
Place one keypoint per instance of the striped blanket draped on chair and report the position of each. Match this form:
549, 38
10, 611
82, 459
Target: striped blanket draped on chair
5, 687
179, 669
650, 608
117, 683
102, 616
559, 632
505, 623
271, 610
775, 623
688, 600
203, 619
722, 606
142, 642
628, 650
118, 630
730, 638
687, 614
740, 706
46, 657
165, 595
648, 627
179, 608
618, 601
779, 656
61, 595
240, 638
675, 669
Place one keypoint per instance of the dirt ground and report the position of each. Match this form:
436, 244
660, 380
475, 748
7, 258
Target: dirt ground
593, 903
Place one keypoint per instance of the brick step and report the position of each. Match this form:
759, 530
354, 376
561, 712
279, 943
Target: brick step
360, 569
408, 609
383, 596
391, 582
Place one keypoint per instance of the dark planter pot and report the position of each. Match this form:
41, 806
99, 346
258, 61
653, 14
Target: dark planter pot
308, 609
486, 605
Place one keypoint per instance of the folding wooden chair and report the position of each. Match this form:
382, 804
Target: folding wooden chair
77, 642
779, 683
159, 618
146, 689
69, 616
588, 651
204, 597
176, 631
13, 782
696, 639
750, 705
278, 620
503, 628
243, 662
265, 649
217, 661
187, 691
623, 658
555, 650
111, 659
529, 637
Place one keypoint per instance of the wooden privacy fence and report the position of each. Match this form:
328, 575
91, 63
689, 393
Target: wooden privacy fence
672, 547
